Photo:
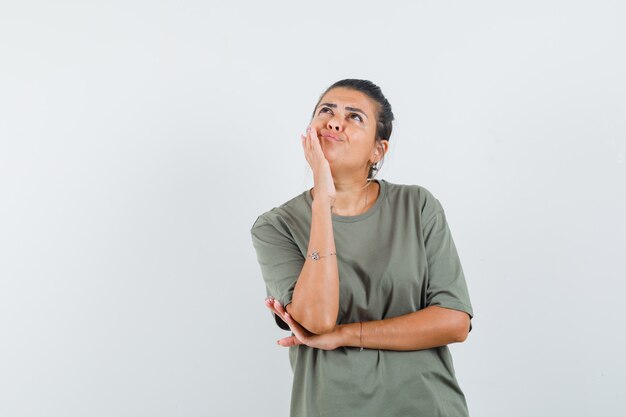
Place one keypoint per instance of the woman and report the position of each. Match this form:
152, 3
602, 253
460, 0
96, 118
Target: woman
364, 273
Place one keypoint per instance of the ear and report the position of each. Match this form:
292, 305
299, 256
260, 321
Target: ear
380, 150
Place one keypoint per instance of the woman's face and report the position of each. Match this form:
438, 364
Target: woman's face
345, 122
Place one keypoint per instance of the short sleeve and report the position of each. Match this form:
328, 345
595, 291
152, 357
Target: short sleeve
446, 285
280, 259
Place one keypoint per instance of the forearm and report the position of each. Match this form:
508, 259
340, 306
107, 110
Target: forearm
315, 300
424, 329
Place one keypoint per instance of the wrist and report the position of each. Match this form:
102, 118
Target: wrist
322, 204
350, 334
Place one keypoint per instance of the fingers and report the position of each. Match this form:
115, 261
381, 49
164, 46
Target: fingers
275, 306
312, 148
310, 140
315, 142
306, 142
306, 147
278, 307
298, 336
295, 327
269, 303
289, 341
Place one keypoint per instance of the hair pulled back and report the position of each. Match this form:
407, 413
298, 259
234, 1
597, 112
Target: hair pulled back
384, 118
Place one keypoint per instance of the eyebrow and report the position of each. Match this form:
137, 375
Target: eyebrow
334, 106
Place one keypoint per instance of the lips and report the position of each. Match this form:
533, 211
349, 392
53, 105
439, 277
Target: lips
331, 137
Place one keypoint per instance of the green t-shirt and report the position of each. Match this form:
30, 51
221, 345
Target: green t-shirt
396, 258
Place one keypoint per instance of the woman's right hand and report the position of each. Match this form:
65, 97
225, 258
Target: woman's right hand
323, 184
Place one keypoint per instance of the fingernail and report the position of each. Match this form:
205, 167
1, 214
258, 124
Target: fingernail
308, 129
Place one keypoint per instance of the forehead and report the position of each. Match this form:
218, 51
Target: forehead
345, 97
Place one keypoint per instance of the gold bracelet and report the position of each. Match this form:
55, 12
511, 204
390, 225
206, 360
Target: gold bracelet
361, 338
316, 255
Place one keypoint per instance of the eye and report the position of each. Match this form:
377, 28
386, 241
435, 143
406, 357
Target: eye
356, 117
325, 110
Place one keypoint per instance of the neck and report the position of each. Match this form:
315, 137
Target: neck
354, 196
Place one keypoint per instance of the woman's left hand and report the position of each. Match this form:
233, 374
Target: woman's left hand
301, 336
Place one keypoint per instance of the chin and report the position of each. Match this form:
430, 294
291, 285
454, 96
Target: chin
331, 157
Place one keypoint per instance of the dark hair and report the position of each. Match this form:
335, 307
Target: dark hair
384, 118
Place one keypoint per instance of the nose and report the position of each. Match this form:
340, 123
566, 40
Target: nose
335, 124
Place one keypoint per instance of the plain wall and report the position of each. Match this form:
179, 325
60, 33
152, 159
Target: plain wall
140, 140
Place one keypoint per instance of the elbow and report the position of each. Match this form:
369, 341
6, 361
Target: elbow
316, 322
319, 326
461, 337
461, 330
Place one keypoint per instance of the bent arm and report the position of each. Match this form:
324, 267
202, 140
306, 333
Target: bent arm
315, 300
430, 327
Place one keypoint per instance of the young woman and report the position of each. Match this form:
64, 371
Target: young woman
364, 273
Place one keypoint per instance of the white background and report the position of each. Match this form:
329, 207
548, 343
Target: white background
139, 141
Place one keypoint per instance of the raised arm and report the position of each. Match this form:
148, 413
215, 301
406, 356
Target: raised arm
315, 300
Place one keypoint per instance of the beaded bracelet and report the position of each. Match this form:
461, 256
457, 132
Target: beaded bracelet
361, 338
316, 255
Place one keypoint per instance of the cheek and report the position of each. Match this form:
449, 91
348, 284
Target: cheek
317, 124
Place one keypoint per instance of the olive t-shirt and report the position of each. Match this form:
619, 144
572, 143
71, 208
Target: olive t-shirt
396, 258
